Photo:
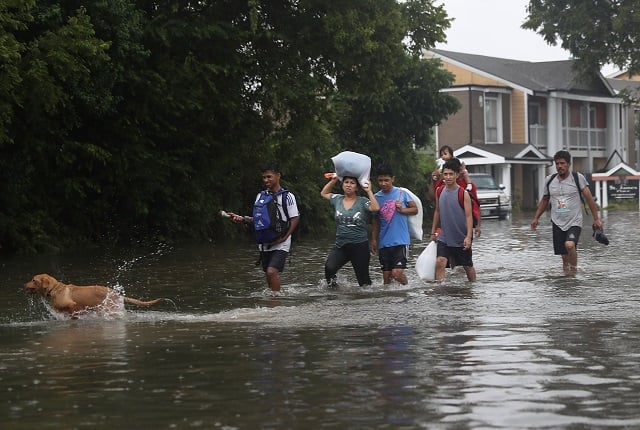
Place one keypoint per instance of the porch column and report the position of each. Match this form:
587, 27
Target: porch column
506, 179
602, 192
554, 127
613, 131
541, 172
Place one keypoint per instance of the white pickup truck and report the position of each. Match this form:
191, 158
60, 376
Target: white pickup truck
494, 202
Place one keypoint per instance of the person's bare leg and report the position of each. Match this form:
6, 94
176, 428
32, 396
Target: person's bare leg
399, 275
386, 277
273, 278
471, 272
570, 260
441, 265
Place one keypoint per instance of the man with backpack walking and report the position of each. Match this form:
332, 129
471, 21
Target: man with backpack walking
275, 218
466, 185
565, 191
456, 225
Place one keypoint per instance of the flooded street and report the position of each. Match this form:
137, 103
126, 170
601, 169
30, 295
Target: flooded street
524, 347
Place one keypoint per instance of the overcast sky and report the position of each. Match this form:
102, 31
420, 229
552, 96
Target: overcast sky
492, 28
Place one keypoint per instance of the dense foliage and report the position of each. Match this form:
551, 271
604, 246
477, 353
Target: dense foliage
134, 119
595, 32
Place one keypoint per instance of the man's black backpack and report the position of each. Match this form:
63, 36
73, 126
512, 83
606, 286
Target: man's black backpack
267, 219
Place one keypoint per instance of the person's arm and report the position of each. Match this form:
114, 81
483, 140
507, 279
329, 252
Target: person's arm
465, 173
468, 214
293, 224
374, 206
326, 190
436, 221
435, 177
375, 230
586, 192
542, 206
411, 209
240, 218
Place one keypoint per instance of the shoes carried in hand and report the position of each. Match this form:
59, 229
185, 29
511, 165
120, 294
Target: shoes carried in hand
600, 236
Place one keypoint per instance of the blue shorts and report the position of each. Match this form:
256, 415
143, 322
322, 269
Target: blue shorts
393, 257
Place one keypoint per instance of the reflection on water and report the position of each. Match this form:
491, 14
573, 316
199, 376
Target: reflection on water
524, 347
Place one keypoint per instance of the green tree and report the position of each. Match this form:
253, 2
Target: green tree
54, 56
136, 119
595, 32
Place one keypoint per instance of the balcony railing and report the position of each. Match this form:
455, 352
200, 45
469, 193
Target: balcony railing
538, 136
573, 138
583, 138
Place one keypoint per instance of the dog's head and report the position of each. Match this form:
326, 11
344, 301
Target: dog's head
41, 284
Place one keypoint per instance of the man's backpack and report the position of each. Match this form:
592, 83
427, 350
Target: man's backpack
267, 219
577, 181
475, 204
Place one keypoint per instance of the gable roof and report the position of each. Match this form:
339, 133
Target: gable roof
621, 169
517, 153
629, 86
541, 77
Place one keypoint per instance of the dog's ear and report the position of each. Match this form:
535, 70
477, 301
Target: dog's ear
42, 281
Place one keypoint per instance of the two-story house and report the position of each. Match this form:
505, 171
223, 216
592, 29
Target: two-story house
516, 114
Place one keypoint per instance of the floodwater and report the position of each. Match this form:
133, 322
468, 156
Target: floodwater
524, 347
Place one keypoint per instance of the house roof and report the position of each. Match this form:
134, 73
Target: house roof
624, 84
543, 77
514, 153
621, 169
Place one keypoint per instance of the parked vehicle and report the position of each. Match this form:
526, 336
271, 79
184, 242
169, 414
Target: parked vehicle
494, 202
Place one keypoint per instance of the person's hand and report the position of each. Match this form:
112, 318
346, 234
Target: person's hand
598, 225
478, 232
238, 218
373, 246
534, 224
365, 185
466, 244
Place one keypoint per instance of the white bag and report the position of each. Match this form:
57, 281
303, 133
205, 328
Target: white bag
426, 262
353, 164
415, 221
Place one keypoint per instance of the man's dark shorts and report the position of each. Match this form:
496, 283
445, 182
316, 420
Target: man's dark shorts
560, 237
456, 255
393, 257
275, 259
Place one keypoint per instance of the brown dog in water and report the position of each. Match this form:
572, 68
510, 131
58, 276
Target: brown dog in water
75, 300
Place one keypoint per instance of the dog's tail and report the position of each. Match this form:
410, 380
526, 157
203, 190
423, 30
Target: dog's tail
142, 303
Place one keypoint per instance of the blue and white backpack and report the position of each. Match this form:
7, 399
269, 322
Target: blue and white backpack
267, 218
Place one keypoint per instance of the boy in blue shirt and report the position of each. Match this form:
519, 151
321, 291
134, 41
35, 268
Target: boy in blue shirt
390, 228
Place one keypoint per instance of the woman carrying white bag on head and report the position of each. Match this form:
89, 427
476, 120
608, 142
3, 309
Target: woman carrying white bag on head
351, 213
